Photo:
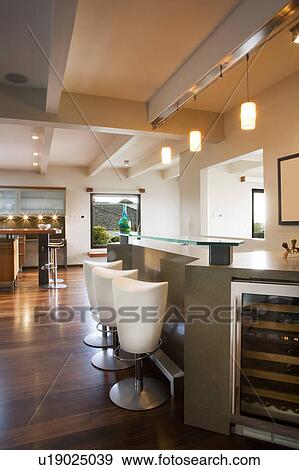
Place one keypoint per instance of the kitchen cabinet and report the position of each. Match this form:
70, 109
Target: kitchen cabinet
41, 201
9, 258
8, 201
32, 201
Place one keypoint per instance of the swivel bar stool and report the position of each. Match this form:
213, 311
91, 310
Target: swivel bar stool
102, 279
102, 337
140, 337
52, 266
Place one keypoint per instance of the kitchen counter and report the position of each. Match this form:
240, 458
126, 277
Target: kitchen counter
28, 231
43, 251
202, 347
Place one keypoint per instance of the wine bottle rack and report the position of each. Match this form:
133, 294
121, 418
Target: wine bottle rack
270, 357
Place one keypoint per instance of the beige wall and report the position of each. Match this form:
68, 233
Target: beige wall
159, 205
277, 133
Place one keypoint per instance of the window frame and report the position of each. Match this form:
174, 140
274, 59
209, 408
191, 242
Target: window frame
123, 195
253, 192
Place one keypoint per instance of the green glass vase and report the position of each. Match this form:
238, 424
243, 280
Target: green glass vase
124, 223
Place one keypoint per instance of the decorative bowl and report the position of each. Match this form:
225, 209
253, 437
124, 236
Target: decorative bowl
44, 226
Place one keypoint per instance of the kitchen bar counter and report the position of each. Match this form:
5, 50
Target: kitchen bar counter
202, 348
28, 231
43, 251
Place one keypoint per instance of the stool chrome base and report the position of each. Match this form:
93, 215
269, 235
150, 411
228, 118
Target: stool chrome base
97, 340
53, 286
106, 361
125, 395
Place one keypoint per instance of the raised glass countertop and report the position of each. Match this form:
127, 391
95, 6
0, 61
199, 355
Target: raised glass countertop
188, 240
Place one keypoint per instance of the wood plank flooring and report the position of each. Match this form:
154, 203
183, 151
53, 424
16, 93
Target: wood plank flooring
52, 398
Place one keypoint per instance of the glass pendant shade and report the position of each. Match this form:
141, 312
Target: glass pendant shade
166, 154
248, 115
195, 141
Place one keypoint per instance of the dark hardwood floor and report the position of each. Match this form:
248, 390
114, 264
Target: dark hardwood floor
52, 398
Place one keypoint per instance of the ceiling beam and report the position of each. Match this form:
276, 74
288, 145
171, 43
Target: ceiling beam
62, 25
46, 148
118, 145
154, 160
25, 106
243, 165
240, 25
171, 172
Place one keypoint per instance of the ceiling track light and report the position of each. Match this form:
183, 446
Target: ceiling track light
166, 149
195, 134
248, 109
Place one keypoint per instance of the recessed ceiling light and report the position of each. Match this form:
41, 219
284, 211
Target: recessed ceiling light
35, 137
35, 154
126, 162
35, 163
16, 78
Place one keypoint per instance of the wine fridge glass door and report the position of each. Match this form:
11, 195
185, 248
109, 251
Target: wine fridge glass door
267, 364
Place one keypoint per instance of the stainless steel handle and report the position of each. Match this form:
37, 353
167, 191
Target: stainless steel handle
233, 354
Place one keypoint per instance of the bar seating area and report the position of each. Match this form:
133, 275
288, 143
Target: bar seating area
149, 230
131, 339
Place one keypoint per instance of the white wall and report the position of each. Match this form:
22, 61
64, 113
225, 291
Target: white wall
159, 205
228, 215
277, 133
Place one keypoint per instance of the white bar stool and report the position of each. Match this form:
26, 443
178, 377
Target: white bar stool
103, 279
139, 336
102, 337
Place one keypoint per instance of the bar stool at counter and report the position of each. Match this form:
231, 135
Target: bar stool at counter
103, 279
140, 337
102, 337
52, 267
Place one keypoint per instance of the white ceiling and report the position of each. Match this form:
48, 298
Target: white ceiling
17, 146
123, 50
77, 147
19, 52
127, 49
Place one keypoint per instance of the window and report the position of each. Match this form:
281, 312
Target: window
106, 210
258, 213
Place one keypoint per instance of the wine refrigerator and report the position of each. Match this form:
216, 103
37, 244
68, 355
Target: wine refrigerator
265, 358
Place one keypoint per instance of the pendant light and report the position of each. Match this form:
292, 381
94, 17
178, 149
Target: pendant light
195, 135
166, 150
248, 109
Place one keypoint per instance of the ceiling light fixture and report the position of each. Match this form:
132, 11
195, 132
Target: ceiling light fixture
127, 163
166, 149
35, 163
248, 109
195, 135
295, 34
35, 154
35, 137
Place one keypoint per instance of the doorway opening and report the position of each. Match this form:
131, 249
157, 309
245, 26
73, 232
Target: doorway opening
233, 198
